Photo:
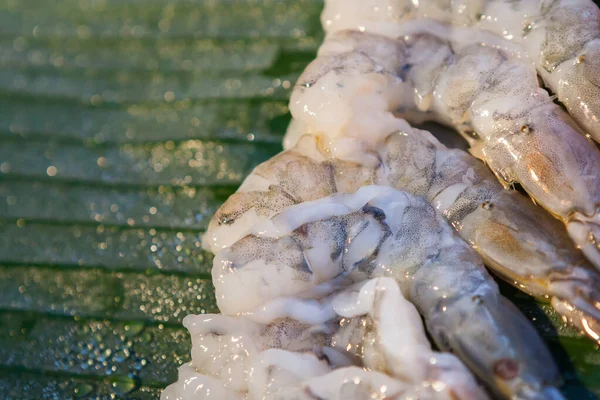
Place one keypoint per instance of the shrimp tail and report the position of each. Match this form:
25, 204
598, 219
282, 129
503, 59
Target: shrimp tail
525, 372
577, 299
585, 232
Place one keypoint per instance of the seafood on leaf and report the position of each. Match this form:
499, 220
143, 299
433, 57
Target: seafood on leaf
312, 248
331, 252
516, 239
363, 339
519, 241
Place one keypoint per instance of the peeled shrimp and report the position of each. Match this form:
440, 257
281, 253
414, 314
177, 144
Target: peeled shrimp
290, 236
493, 100
516, 239
368, 325
520, 242
232, 358
398, 346
560, 38
378, 231
288, 178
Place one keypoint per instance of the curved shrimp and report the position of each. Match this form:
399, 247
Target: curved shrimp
519, 241
516, 239
378, 231
560, 38
526, 140
493, 101
397, 345
288, 178
297, 341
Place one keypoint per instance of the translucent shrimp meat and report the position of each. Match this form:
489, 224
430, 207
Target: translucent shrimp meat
519, 241
494, 101
516, 239
379, 231
560, 38
284, 358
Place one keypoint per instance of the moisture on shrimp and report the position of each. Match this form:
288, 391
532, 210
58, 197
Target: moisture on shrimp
517, 240
560, 38
313, 247
365, 339
493, 100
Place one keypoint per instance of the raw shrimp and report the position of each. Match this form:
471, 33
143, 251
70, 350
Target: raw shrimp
384, 331
229, 353
492, 100
560, 37
369, 325
517, 240
289, 178
379, 231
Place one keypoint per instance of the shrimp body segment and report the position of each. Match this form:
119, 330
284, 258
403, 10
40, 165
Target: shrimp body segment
516, 239
365, 339
379, 231
559, 38
330, 253
494, 101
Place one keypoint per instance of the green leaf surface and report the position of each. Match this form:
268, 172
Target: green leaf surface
171, 207
102, 294
190, 162
30, 385
256, 122
124, 124
92, 348
108, 247
125, 87
207, 55
160, 18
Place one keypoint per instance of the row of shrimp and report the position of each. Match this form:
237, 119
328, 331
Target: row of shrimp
330, 253
560, 39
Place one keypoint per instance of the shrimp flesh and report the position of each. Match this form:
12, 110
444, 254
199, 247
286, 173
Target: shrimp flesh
560, 38
379, 231
285, 355
322, 265
519, 241
516, 239
492, 100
